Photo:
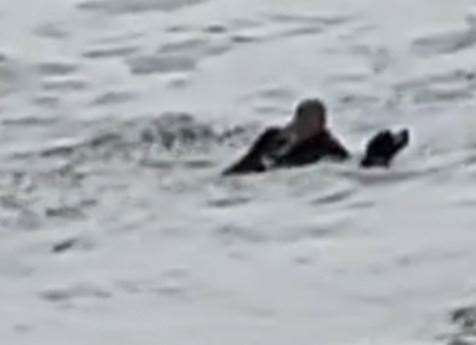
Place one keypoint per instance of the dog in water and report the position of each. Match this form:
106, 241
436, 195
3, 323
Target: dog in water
307, 139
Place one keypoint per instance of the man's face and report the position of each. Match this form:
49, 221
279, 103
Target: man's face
309, 120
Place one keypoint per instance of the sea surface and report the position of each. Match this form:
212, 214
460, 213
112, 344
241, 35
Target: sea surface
117, 117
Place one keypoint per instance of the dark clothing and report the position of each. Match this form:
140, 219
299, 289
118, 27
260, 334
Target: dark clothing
323, 145
253, 161
264, 153
269, 143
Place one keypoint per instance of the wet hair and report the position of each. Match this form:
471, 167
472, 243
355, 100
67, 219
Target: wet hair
311, 108
313, 105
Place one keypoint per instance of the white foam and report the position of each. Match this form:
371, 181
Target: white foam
161, 250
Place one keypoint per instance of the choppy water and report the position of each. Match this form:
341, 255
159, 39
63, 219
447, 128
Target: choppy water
118, 116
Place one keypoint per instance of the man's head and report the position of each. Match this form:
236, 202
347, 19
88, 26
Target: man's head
309, 119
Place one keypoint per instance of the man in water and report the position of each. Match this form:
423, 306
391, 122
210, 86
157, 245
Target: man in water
307, 139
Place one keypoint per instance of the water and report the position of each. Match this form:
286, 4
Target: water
118, 116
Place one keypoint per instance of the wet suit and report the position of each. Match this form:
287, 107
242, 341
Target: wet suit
263, 155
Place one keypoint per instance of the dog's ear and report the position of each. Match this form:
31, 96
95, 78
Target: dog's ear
383, 147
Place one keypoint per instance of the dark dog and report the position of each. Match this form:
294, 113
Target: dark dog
383, 147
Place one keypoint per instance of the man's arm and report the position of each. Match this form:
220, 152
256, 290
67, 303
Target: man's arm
265, 146
336, 150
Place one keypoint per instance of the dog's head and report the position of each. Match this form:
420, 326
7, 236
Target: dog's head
383, 147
